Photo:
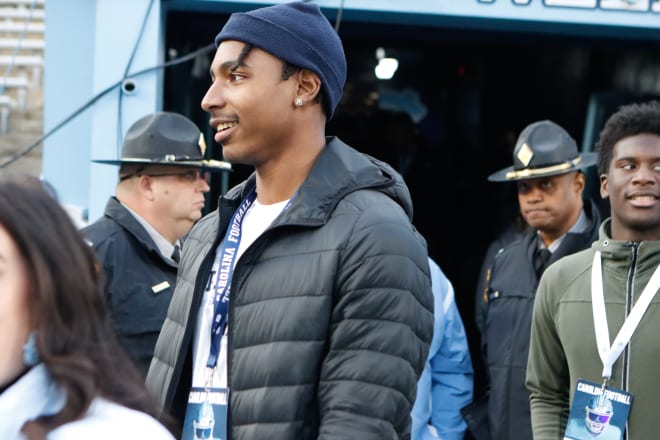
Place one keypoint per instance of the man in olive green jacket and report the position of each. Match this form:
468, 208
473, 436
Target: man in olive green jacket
563, 339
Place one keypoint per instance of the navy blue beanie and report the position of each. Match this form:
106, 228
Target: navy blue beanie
299, 34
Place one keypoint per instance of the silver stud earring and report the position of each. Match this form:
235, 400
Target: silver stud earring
298, 102
30, 353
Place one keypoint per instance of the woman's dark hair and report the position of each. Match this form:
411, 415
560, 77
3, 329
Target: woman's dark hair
74, 338
629, 120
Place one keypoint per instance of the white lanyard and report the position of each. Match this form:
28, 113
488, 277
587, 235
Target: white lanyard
608, 355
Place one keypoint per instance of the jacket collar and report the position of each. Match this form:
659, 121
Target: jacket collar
338, 171
619, 249
119, 213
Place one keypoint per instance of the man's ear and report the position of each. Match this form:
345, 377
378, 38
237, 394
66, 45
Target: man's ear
144, 183
604, 191
309, 85
580, 180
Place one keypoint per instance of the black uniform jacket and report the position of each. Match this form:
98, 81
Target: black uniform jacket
504, 314
139, 280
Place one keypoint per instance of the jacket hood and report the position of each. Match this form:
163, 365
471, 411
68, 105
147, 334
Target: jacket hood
338, 171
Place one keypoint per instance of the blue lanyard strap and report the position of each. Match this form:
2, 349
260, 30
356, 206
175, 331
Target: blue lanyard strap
228, 251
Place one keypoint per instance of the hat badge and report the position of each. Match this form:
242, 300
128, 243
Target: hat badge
202, 144
525, 154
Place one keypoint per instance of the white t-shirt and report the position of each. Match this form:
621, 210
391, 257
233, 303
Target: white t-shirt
256, 220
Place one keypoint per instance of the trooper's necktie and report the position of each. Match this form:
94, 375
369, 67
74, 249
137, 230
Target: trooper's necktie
176, 254
541, 257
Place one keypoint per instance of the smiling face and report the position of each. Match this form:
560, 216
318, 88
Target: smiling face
14, 314
251, 106
632, 184
551, 204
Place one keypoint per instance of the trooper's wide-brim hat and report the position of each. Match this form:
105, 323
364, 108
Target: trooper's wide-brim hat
165, 138
543, 149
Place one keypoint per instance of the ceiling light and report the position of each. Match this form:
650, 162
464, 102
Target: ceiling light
386, 68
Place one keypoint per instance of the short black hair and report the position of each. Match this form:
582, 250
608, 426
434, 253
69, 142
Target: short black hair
629, 120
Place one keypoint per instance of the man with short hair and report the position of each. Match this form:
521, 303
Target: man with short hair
548, 172
578, 334
303, 307
163, 178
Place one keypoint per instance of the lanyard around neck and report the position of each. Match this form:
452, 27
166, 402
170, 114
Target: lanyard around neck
609, 354
228, 251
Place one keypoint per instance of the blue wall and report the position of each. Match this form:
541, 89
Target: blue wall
90, 44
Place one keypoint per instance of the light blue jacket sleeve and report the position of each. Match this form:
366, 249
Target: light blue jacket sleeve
446, 384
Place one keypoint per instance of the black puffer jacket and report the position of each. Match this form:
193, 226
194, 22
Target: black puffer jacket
331, 311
